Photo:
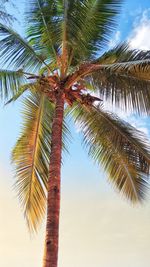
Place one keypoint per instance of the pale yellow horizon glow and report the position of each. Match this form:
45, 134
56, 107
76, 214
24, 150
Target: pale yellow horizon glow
97, 229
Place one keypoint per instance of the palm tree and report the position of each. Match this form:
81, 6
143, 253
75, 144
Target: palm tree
61, 69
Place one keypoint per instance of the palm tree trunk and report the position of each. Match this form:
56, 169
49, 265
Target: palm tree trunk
53, 202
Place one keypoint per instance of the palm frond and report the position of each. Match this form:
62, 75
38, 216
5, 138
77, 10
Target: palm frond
122, 150
126, 92
95, 21
31, 158
10, 82
17, 51
78, 27
99, 23
139, 69
73, 40
124, 78
44, 25
122, 53
23, 88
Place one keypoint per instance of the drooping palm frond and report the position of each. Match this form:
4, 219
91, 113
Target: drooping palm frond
123, 76
17, 51
122, 53
23, 88
122, 150
120, 75
138, 69
31, 158
123, 91
10, 83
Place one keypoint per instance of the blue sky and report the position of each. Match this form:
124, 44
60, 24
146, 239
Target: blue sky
98, 227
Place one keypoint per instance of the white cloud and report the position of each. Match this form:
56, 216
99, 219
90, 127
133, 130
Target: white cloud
114, 41
139, 38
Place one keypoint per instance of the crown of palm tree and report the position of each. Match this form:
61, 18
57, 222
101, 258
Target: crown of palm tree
63, 48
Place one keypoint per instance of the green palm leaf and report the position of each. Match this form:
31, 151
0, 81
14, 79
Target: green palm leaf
23, 88
10, 82
31, 158
95, 20
122, 150
77, 28
17, 51
124, 78
99, 22
122, 53
44, 26
120, 75
123, 91
138, 69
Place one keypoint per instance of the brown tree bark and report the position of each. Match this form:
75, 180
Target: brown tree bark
53, 202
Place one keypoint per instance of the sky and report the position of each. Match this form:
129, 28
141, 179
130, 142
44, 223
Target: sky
97, 227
